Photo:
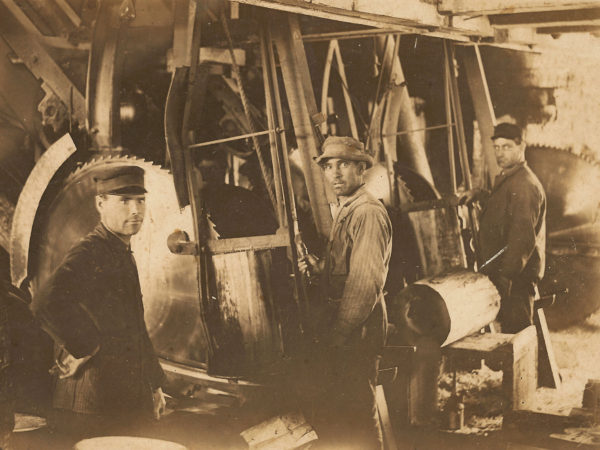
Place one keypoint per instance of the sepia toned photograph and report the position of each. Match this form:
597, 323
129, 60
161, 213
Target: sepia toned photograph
299, 224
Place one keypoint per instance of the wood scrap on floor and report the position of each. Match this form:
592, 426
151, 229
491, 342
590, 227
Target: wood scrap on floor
284, 432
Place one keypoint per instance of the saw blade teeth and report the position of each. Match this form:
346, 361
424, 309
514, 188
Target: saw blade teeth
100, 159
588, 158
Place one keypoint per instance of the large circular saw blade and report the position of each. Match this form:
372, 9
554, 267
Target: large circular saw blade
168, 281
572, 185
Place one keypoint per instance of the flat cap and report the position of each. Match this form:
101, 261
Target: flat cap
120, 180
344, 148
508, 131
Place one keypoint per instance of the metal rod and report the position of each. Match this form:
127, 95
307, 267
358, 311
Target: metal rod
342, 74
448, 111
234, 138
434, 127
273, 141
352, 34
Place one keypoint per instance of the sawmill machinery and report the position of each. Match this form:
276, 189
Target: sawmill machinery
87, 84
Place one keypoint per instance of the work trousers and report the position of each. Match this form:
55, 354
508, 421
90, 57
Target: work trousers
345, 413
516, 308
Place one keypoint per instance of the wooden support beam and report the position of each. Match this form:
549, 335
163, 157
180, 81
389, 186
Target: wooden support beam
389, 441
69, 12
482, 102
303, 109
569, 29
38, 61
470, 7
401, 22
587, 16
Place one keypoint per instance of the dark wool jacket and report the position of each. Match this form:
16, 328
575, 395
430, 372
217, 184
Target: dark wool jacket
356, 265
515, 217
94, 300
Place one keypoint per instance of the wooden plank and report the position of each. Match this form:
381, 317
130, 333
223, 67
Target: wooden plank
21, 17
569, 29
480, 343
482, 102
182, 14
243, 314
389, 441
243, 244
467, 7
362, 18
587, 16
549, 375
519, 380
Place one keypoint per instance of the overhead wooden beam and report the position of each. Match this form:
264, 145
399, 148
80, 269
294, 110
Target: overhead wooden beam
470, 7
414, 17
570, 29
588, 16
482, 103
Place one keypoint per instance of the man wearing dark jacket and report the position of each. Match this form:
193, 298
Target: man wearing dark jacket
353, 318
108, 373
512, 235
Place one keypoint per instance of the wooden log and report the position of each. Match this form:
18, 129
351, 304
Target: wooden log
447, 307
285, 431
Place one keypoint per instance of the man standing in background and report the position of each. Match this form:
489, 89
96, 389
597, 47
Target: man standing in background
512, 230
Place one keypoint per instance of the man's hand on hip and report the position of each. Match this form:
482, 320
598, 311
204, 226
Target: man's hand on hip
160, 403
67, 366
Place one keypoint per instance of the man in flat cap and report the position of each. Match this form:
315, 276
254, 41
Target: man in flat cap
512, 230
107, 372
353, 319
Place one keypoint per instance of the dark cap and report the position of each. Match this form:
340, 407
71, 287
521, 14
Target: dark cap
120, 180
344, 148
508, 131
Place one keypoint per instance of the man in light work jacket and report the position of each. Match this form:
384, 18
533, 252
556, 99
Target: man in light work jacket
107, 372
512, 230
353, 318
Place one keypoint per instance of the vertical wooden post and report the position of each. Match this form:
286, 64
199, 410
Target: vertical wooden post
519, 379
298, 87
449, 131
484, 110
